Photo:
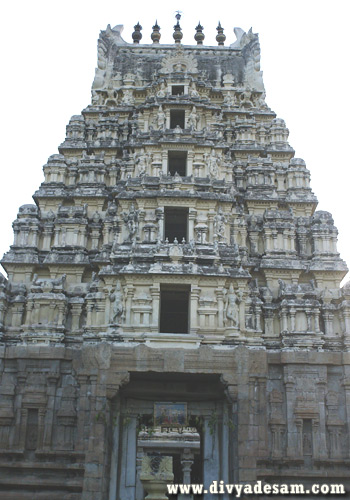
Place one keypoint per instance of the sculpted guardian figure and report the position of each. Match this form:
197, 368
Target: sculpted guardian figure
193, 119
213, 164
160, 118
131, 221
116, 298
219, 226
231, 309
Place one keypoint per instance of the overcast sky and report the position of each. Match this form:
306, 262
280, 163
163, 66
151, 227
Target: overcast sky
49, 53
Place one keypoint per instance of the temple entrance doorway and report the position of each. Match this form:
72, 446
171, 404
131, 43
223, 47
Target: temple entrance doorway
183, 416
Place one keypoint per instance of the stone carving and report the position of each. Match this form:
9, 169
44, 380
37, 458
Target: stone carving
213, 164
162, 90
192, 90
232, 309
131, 220
180, 62
160, 119
142, 164
128, 98
48, 285
246, 98
250, 43
193, 119
220, 221
156, 473
116, 298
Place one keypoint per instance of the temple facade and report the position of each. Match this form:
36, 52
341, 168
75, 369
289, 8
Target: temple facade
173, 291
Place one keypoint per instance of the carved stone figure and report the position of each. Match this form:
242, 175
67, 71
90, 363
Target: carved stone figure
141, 165
213, 164
193, 119
220, 221
160, 119
231, 309
116, 298
131, 220
192, 90
128, 97
162, 91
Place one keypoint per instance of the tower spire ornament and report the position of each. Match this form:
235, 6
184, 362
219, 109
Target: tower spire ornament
155, 33
199, 36
220, 37
177, 35
137, 35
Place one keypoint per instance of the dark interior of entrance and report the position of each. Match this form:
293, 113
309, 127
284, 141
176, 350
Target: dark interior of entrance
177, 161
177, 89
175, 224
177, 118
174, 306
204, 397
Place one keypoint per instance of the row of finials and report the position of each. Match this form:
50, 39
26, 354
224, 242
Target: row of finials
177, 35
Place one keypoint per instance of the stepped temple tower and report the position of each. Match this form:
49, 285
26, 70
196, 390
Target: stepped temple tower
172, 290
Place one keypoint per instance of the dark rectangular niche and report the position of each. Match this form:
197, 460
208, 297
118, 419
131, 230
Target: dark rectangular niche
177, 89
174, 309
177, 162
177, 118
175, 224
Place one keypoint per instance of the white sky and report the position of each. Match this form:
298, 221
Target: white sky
49, 53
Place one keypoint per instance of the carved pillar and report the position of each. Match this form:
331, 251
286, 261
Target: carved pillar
190, 156
211, 459
257, 313
76, 304
335, 440
211, 216
129, 294
227, 424
220, 300
284, 319
128, 466
47, 233
52, 379
191, 219
277, 431
116, 381
317, 320
21, 415
328, 316
165, 162
83, 407
115, 407
346, 385
155, 294
299, 438
320, 444
230, 443
267, 239
160, 223
41, 419
268, 319
292, 312
291, 434
195, 292
262, 420
140, 493
187, 459
23, 428
243, 297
